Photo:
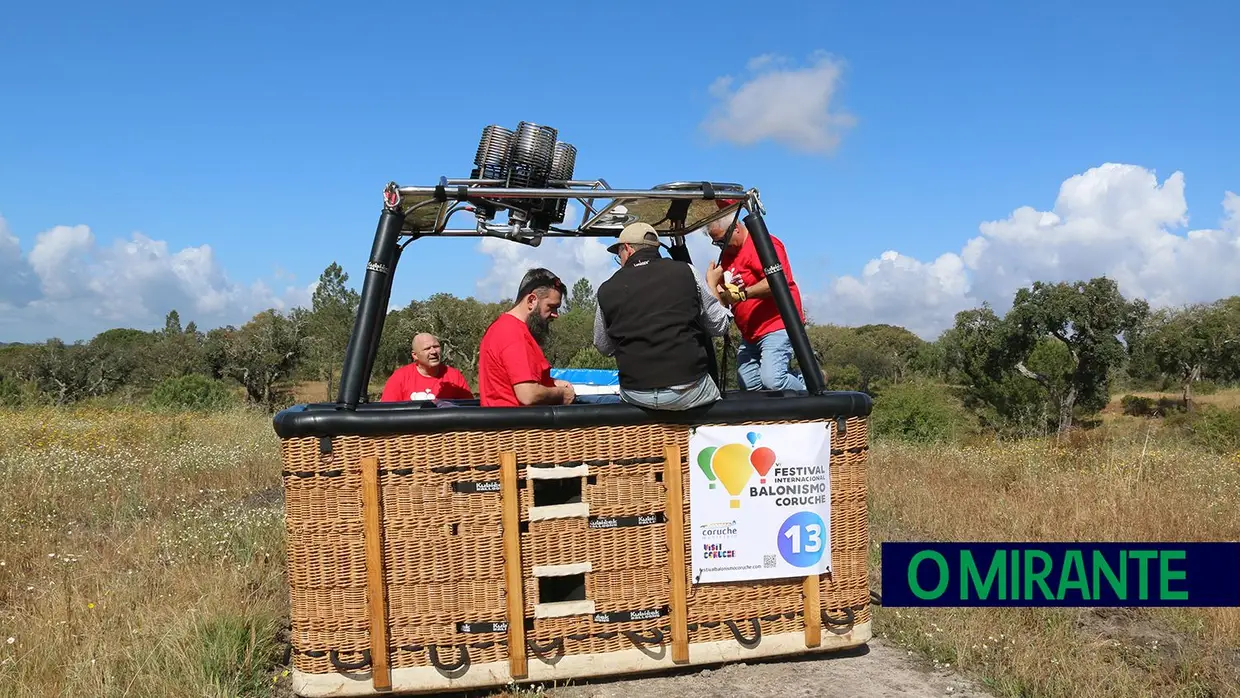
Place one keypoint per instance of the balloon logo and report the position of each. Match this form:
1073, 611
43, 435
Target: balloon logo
753, 437
703, 461
732, 467
762, 459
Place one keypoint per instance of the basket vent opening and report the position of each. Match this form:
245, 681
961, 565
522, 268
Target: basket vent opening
553, 492
569, 587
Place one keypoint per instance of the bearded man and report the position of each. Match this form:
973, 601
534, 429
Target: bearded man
513, 371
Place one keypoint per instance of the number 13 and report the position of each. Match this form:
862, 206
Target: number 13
814, 542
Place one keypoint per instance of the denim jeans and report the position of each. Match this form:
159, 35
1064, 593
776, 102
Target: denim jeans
764, 366
604, 399
703, 392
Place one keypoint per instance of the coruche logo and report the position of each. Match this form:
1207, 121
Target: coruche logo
719, 530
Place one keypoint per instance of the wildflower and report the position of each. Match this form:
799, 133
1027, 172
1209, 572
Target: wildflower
11, 640
91, 605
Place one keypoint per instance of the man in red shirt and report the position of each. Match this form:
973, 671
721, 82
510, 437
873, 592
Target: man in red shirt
427, 378
762, 360
512, 369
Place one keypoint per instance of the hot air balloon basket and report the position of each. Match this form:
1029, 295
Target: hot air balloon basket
471, 559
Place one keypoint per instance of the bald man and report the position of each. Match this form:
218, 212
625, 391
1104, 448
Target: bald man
428, 377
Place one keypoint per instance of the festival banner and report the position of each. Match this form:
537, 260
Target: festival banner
760, 501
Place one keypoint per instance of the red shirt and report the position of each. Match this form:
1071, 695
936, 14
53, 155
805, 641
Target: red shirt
408, 383
509, 355
756, 317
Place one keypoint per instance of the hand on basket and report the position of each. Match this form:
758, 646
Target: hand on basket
569, 392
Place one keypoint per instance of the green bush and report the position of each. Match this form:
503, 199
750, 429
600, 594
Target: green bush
920, 412
1137, 406
1210, 427
10, 393
191, 392
1206, 387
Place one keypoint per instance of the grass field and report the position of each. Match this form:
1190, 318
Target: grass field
141, 554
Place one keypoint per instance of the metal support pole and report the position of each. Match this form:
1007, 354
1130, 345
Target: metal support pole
783, 300
371, 310
377, 333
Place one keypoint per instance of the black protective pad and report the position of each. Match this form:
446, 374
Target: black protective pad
377, 419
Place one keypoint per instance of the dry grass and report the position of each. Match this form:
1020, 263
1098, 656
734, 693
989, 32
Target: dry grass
142, 554
135, 556
1224, 399
1109, 484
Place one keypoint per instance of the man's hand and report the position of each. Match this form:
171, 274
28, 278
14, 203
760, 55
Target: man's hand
714, 276
569, 392
733, 293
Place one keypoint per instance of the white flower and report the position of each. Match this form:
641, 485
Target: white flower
11, 640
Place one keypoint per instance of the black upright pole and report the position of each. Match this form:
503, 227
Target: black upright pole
376, 334
371, 310
783, 300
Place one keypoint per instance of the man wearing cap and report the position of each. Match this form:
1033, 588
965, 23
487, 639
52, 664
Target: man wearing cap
762, 359
651, 315
512, 369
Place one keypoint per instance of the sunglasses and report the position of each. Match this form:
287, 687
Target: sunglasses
539, 282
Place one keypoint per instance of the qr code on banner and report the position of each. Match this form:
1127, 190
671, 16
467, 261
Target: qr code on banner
768, 561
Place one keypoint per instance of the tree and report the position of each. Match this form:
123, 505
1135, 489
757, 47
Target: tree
1088, 319
172, 323
329, 324
899, 348
265, 351
582, 297
1195, 342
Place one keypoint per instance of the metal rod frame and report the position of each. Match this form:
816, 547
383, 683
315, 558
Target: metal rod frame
385, 253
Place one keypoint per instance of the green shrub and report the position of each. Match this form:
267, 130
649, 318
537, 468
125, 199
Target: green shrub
10, 393
1210, 427
1137, 406
920, 412
191, 392
589, 357
1206, 387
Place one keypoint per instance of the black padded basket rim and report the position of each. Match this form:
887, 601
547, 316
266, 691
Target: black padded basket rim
381, 419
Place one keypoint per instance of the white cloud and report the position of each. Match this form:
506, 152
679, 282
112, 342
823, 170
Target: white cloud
18, 285
1114, 220
71, 287
788, 105
569, 258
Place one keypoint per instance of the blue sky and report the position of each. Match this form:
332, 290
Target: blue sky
267, 131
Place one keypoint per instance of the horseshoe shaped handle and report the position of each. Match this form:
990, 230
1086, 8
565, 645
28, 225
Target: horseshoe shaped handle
655, 637
849, 618
557, 643
736, 631
342, 666
461, 662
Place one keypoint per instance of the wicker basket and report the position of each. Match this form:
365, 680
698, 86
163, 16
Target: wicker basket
400, 565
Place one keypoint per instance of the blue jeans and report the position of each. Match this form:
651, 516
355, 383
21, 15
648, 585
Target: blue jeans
764, 366
604, 399
703, 392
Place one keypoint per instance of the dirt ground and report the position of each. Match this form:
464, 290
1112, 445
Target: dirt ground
870, 672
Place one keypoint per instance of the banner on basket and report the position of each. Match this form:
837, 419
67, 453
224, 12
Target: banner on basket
760, 501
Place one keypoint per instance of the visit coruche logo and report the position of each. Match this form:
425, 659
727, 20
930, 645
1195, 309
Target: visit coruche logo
734, 464
1061, 574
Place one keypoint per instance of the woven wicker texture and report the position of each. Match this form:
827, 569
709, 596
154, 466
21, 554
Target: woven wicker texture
443, 547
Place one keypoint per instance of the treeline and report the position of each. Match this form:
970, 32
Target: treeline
1054, 359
